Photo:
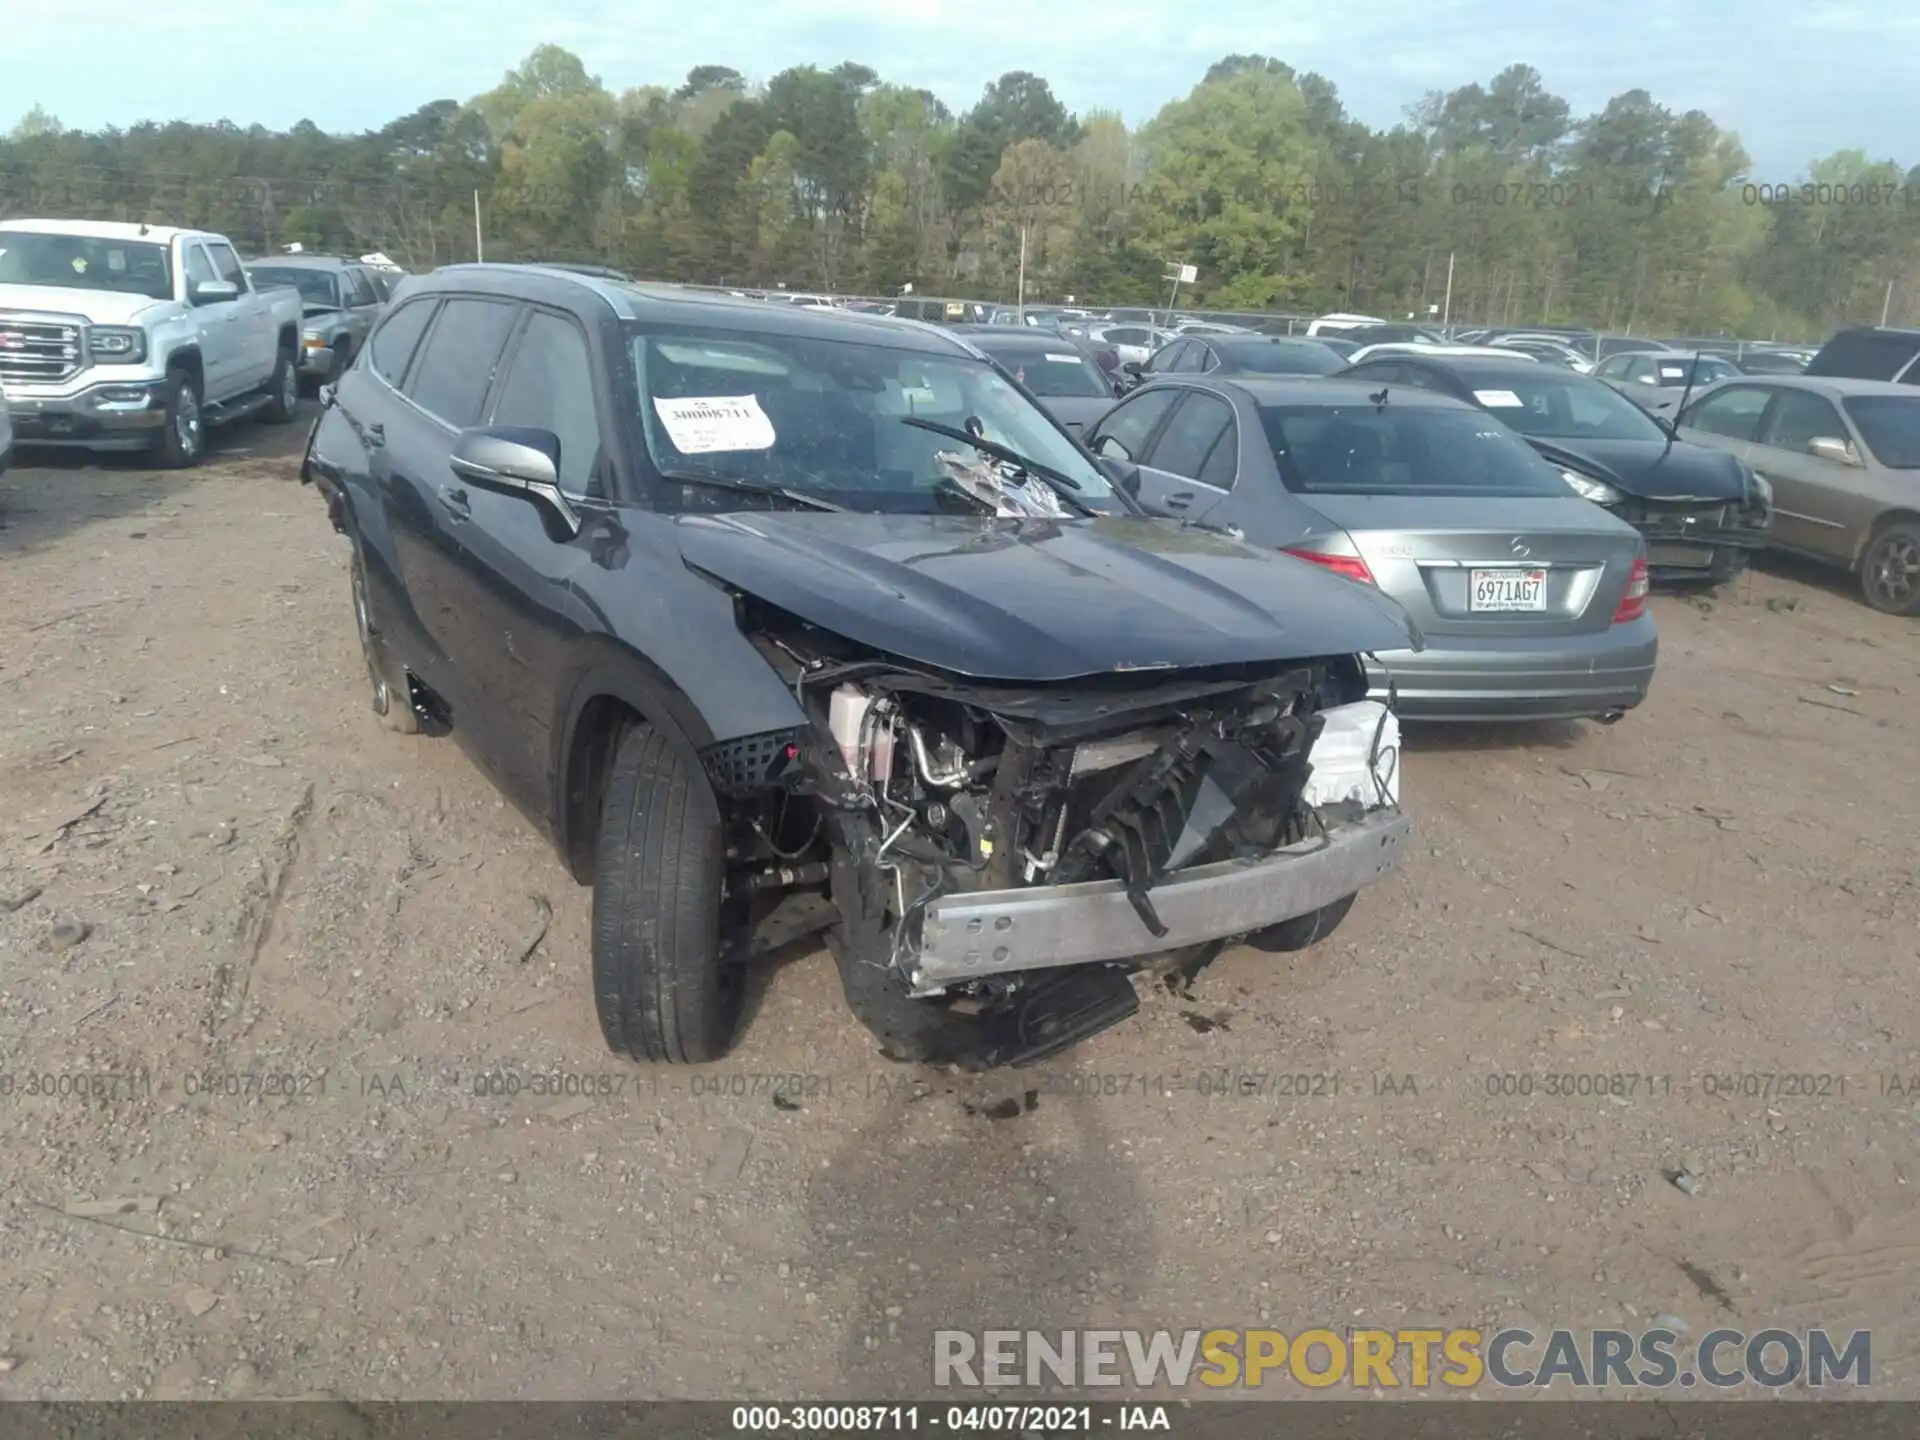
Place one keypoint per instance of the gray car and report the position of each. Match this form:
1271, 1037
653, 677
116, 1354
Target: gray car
1843, 458
340, 301
1532, 600
1657, 380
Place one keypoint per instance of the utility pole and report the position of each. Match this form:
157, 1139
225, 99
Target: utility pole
1886, 305
1179, 274
1020, 295
1446, 306
479, 248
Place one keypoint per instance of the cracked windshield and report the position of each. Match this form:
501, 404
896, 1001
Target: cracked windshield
1039, 720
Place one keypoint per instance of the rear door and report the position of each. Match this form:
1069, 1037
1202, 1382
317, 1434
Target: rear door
1816, 501
255, 343
1465, 564
1192, 460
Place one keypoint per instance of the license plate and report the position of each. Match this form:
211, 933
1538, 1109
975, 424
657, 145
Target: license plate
1506, 591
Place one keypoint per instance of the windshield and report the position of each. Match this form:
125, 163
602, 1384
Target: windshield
1402, 450
1890, 424
1263, 357
1052, 374
83, 262
824, 417
319, 289
1557, 407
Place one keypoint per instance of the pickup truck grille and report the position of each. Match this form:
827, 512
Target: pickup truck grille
38, 350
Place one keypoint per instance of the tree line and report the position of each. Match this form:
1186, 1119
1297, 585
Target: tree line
1635, 218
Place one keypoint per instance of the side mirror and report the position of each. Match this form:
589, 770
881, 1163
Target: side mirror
1132, 368
517, 460
1828, 447
210, 292
1124, 473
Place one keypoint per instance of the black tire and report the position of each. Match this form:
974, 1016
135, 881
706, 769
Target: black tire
1890, 569
391, 701
1303, 930
283, 390
664, 986
1729, 564
182, 440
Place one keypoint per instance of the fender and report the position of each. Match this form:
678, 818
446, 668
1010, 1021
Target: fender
612, 670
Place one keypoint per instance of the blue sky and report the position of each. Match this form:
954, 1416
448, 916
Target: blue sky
1795, 78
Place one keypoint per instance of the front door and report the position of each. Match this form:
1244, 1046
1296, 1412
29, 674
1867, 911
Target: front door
221, 332
1810, 492
514, 597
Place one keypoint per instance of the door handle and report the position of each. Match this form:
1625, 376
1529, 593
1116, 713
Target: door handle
376, 436
1180, 500
454, 502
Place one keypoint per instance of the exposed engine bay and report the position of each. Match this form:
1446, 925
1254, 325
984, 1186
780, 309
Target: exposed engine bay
918, 790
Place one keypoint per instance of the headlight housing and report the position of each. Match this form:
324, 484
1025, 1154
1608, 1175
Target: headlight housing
117, 344
1588, 488
313, 338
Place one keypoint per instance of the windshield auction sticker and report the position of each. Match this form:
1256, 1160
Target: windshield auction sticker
704, 426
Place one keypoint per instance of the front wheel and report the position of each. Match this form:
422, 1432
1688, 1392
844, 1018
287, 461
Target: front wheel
182, 437
664, 986
283, 390
1890, 570
1303, 930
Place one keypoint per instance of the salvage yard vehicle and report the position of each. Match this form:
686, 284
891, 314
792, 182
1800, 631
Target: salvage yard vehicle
340, 300
1244, 355
1843, 459
770, 616
1532, 601
1055, 369
138, 337
1703, 512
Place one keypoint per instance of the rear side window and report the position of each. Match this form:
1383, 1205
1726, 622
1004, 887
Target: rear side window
397, 338
1201, 424
454, 372
1403, 450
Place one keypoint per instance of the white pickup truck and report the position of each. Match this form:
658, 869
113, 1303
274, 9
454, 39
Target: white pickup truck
118, 336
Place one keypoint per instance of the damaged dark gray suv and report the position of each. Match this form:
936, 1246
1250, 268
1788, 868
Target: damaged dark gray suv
782, 620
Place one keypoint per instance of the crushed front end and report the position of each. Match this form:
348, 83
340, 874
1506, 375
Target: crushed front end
1698, 539
1000, 856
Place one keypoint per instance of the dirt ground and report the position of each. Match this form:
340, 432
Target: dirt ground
285, 958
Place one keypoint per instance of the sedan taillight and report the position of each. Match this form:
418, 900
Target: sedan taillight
1633, 604
1351, 566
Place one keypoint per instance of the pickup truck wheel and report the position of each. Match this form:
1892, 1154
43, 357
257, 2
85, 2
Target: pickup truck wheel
1890, 570
390, 701
283, 390
182, 437
1303, 930
664, 986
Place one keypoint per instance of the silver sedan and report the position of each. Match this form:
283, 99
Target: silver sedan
1532, 601
1843, 459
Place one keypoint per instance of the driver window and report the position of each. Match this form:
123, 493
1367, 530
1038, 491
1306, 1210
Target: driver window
1799, 418
199, 268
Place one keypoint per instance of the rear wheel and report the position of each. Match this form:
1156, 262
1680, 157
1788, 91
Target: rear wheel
1890, 569
391, 702
664, 984
283, 390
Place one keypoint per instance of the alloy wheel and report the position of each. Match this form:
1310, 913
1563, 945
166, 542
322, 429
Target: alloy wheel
1893, 571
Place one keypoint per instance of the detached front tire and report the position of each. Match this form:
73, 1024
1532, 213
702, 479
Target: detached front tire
182, 437
664, 986
1303, 930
